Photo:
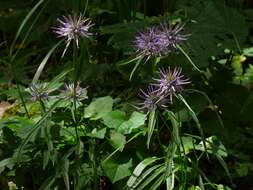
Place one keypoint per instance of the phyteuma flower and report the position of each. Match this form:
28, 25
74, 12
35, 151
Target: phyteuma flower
70, 92
152, 42
38, 92
170, 82
174, 34
73, 28
151, 99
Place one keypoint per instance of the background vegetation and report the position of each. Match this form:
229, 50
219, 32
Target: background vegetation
202, 141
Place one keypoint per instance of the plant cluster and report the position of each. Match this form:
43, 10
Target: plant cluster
80, 118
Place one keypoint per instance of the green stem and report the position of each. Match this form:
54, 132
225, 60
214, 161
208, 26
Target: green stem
188, 58
74, 95
43, 107
135, 67
19, 90
115, 151
86, 6
93, 159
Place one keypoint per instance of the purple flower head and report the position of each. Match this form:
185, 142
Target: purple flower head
79, 93
174, 34
151, 99
73, 28
169, 82
152, 42
38, 92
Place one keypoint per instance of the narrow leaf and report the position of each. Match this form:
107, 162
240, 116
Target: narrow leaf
151, 126
24, 22
43, 63
139, 168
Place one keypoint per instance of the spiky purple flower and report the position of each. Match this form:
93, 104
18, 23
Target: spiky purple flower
70, 92
152, 42
174, 34
151, 99
38, 92
73, 28
169, 82
162, 92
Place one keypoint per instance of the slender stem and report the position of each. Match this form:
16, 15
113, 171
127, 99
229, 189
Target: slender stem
115, 151
188, 58
86, 6
236, 42
135, 67
93, 159
75, 85
43, 106
19, 90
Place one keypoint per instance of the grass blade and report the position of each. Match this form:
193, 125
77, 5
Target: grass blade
135, 67
157, 172
24, 22
43, 63
139, 168
195, 118
140, 179
151, 126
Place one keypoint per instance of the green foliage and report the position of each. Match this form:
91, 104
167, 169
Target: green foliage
116, 171
98, 108
200, 140
126, 125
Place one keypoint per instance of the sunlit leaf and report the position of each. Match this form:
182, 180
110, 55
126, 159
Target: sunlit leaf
98, 108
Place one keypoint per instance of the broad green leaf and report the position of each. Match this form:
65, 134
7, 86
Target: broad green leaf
114, 119
68, 133
213, 146
118, 120
222, 187
194, 188
19, 125
99, 108
8, 162
115, 171
188, 143
117, 140
248, 52
12, 185
135, 121
98, 133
